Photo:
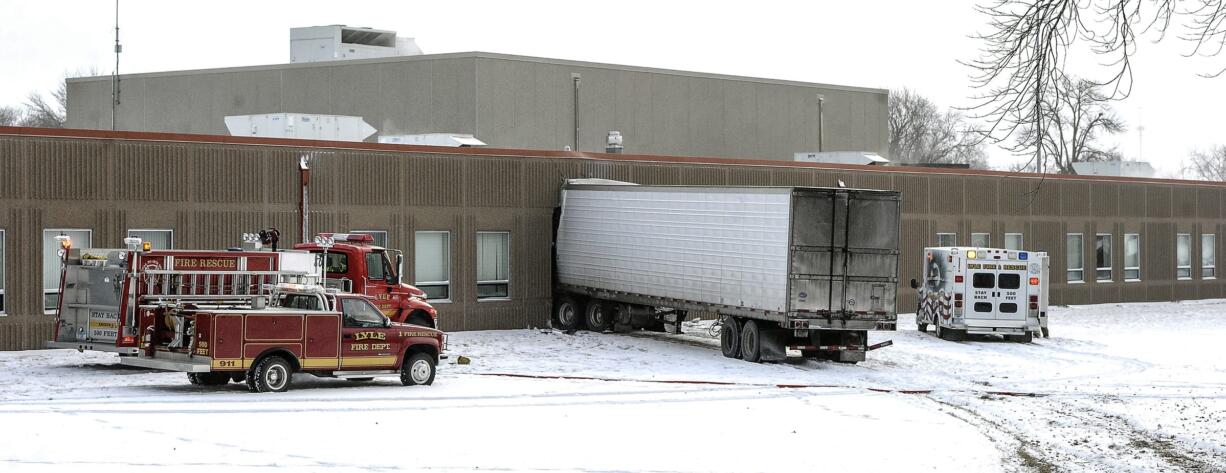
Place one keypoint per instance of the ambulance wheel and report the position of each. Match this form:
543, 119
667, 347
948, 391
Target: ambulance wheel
1027, 338
922, 327
1045, 334
566, 313
751, 342
598, 315
417, 370
730, 338
271, 375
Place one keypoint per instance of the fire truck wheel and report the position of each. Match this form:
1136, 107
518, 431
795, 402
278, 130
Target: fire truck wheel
418, 370
193, 378
730, 338
566, 313
751, 342
272, 374
598, 315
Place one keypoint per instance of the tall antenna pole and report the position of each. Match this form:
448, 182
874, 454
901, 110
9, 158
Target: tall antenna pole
115, 74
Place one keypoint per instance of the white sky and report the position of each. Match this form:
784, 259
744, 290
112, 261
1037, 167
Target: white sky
872, 43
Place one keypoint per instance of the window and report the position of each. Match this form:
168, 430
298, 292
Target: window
359, 313
1132, 257
947, 239
380, 236
983, 281
981, 240
1208, 259
1, 272
983, 307
1008, 308
52, 262
1102, 257
159, 239
1013, 241
1010, 281
432, 261
1183, 256
338, 263
1075, 258
378, 267
493, 265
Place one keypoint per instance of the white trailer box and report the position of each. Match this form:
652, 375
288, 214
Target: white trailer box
982, 291
799, 260
300, 125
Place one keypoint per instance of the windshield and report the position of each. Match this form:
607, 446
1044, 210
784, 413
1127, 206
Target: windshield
378, 267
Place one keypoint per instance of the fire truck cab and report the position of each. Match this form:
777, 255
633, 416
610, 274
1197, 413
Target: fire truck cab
355, 264
303, 328
982, 291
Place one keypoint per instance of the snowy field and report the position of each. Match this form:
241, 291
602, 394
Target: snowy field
1129, 387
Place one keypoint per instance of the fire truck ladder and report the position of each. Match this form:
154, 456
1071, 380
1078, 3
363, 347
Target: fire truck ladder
215, 287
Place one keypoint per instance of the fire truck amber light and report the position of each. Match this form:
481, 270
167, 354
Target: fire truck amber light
1034, 281
149, 246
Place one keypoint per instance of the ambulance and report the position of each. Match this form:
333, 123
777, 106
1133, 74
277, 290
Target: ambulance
983, 291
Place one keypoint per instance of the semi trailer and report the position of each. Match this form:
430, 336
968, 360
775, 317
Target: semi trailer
805, 268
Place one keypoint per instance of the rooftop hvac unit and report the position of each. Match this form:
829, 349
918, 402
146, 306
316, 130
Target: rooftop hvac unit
339, 42
842, 157
455, 140
1115, 168
300, 125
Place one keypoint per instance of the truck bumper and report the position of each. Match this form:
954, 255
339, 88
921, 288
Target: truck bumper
1001, 327
174, 362
841, 324
91, 346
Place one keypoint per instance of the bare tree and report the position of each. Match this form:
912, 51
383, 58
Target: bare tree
921, 134
1208, 165
47, 114
10, 116
1028, 42
1073, 115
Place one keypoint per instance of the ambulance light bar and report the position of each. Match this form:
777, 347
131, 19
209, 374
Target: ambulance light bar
1022, 256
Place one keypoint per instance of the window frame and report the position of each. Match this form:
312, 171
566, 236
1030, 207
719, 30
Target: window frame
167, 230
507, 282
986, 235
1021, 238
46, 291
1178, 267
1212, 267
372, 234
3, 271
954, 236
1081, 262
1139, 261
1110, 258
446, 282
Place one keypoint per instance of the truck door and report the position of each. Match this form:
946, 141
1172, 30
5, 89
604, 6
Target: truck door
364, 340
378, 270
981, 296
1011, 292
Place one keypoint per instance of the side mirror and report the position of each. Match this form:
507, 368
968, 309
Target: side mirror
387, 322
399, 266
914, 284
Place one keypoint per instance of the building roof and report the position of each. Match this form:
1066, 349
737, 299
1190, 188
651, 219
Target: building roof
484, 55
532, 153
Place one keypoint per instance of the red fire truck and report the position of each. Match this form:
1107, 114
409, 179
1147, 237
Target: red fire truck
306, 328
102, 289
355, 264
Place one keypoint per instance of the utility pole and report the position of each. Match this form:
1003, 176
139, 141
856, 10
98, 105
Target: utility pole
115, 74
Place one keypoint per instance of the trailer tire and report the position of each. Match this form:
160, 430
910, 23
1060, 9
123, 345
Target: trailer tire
566, 313
598, 315
417, 370
730, 338
271, 375
751, 342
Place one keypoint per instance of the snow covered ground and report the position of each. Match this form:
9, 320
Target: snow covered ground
1128, 387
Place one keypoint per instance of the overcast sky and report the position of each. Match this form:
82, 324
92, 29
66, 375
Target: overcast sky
870, 43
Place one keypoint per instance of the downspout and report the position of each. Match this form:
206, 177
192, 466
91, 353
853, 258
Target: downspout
575, 79
304, 179
821, 123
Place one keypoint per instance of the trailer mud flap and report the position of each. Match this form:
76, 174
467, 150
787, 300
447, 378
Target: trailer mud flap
773, 345
880, 345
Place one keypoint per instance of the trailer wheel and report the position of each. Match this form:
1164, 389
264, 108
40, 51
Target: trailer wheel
751, 342
417, 370
566, 313
730, 338
598, 315
272, 374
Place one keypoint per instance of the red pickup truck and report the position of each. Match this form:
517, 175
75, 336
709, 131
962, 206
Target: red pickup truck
303, 329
